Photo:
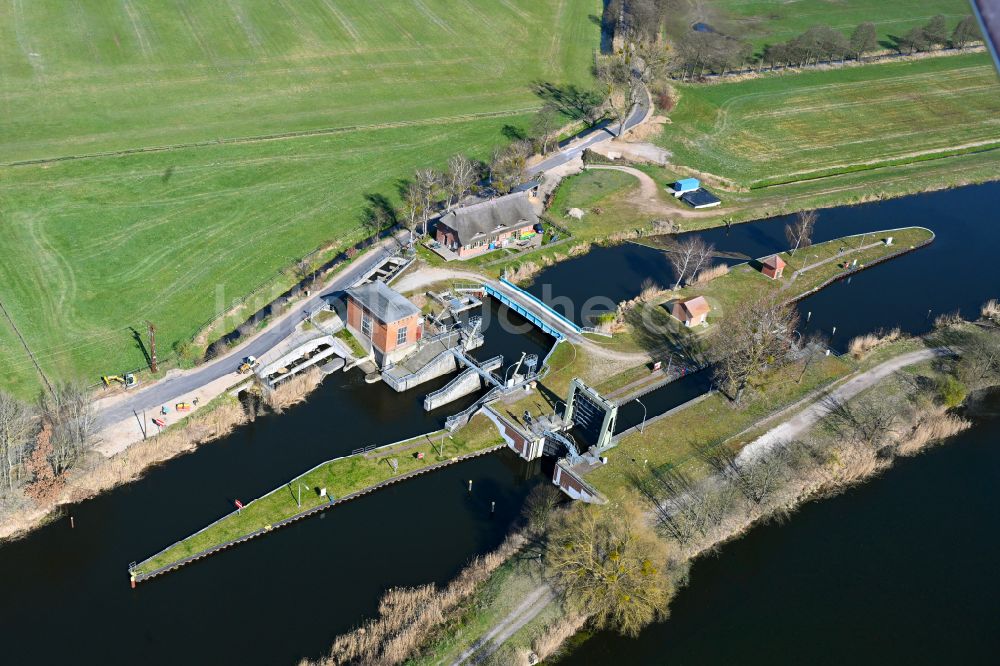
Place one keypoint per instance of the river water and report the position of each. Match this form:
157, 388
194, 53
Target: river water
899, 570
65, 592
958, 271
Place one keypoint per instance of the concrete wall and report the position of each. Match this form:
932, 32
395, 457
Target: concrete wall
574, 486
466, 383
517, 440
443, 364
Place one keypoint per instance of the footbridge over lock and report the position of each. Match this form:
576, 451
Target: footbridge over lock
533, 309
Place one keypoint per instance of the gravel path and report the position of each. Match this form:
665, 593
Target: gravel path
525, 612
809, 416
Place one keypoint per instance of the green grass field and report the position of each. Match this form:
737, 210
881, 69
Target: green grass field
97, 245
770, 21
801, 126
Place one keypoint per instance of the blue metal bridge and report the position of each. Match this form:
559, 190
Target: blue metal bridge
533, 309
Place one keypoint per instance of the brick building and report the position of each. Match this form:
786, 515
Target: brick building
691, 312
490, 225
384, 321
773, 266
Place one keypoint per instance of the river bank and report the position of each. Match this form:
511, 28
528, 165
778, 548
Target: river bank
822, 462
908, 580
101, 472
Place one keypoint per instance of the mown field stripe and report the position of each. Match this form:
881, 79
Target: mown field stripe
440, 120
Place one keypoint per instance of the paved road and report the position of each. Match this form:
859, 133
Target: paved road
592, 138
165, 391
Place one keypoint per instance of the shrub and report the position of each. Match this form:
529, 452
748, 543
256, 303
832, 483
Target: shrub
951, 391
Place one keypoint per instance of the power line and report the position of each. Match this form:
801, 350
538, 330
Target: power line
26, 348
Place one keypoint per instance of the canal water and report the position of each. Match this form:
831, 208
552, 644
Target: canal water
274, 600
901, 570
65, 592
957, 272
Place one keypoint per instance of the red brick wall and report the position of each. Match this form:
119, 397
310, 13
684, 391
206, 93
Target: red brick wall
384, 336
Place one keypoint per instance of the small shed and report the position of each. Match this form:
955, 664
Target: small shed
685, 185
692, 311
773, 266
700, 198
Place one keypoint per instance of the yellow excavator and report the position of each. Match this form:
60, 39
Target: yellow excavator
127, 380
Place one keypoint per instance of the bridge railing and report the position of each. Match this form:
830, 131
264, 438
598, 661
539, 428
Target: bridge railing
542, 304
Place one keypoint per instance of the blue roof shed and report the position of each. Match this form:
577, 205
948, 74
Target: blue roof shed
686, 185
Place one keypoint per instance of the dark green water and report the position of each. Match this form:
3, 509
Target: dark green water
900, 570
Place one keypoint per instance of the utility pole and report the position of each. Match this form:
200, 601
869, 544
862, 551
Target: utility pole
152, 346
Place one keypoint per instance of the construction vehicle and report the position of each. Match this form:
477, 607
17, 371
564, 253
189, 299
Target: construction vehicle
127, 380
248, 364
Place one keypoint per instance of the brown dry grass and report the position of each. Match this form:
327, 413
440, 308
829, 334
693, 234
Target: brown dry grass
709, 274
864, 344
523, 272
991, 310
948, 319
930, 430
295, 390
554, 634
407, 616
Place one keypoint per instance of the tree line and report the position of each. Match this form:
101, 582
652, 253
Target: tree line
41, 441
696, 53
825, 44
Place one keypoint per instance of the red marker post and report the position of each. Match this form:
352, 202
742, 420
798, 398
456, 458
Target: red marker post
239, 506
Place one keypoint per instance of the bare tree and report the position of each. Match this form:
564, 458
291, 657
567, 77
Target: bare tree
979, 364
756, 478
539, 505
413, 208
622, 83
461, 176
863, 39
429, 183
546, 123
936, 30
373, 220
71, 414
753, 336
17, 432
688, 256
871, 421
965, 32
508, 166
799, 233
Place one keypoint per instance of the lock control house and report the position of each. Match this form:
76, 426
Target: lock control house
384, 321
